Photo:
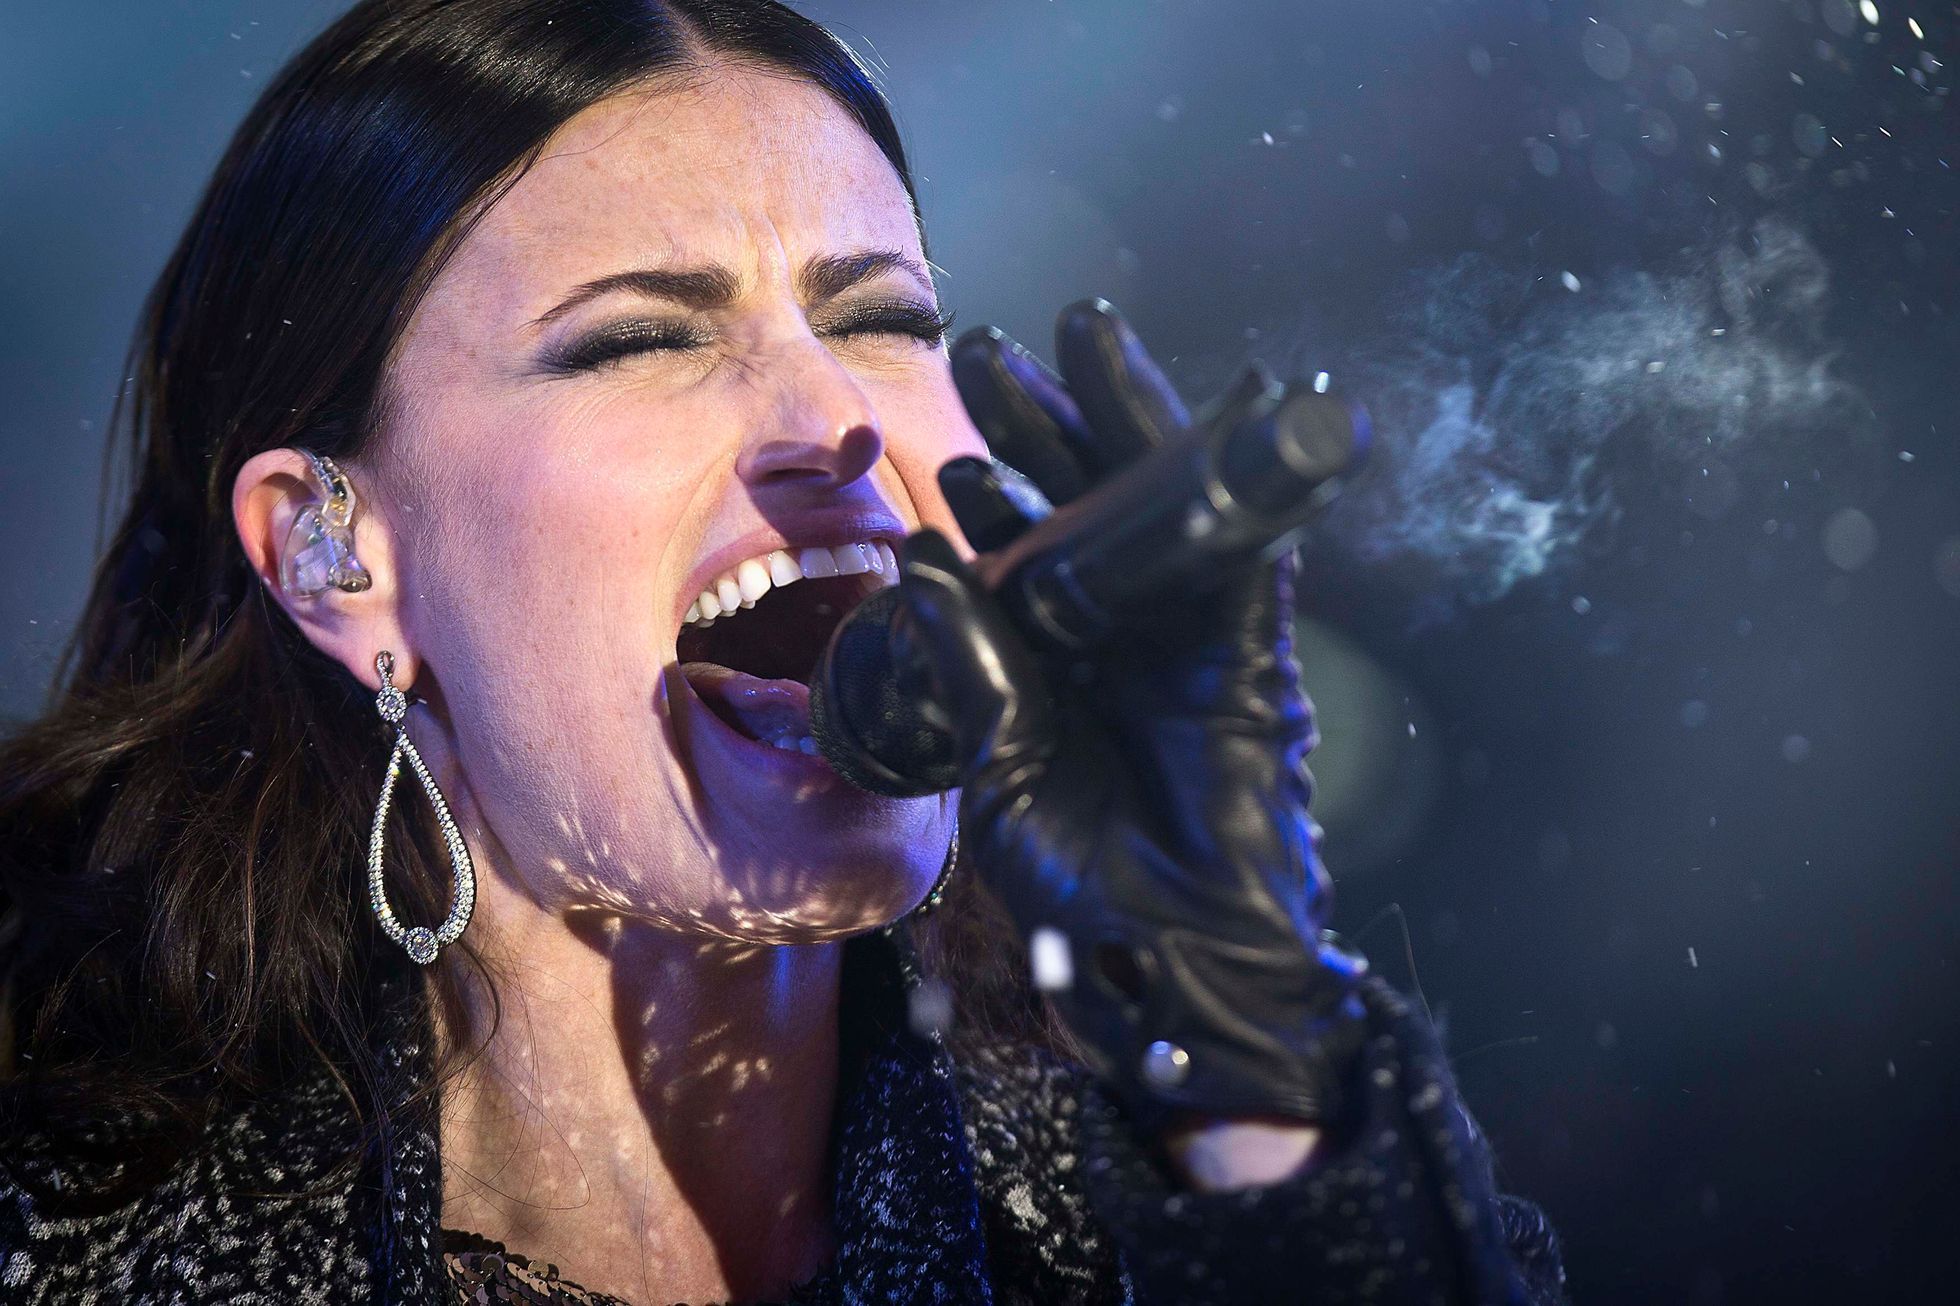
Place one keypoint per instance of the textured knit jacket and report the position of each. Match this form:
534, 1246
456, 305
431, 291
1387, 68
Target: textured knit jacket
993, 1175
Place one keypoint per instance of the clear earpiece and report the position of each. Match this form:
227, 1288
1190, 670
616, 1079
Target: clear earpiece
319, 552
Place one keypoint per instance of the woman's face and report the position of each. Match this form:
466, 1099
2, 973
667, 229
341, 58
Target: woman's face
555, 514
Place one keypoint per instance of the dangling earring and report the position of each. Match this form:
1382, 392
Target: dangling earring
319, 553
937, 894
421, 942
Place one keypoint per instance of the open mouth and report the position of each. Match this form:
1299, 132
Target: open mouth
751, 639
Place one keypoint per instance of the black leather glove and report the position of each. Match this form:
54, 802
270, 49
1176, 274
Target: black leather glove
1148, 802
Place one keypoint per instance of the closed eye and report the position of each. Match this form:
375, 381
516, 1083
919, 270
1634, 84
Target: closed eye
611, 343
616, 341
892, 317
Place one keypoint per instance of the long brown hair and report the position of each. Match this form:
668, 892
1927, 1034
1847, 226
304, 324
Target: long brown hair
182, 831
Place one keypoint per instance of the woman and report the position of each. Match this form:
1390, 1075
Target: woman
535, 384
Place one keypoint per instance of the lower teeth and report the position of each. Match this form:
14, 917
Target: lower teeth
796, 744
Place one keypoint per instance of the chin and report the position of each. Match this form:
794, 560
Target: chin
831, 880
802, 853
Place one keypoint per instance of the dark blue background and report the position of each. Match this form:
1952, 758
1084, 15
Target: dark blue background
1672, 825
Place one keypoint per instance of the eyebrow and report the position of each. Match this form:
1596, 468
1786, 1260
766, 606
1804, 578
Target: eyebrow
713, 286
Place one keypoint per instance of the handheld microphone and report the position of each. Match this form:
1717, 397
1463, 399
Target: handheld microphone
1175, 522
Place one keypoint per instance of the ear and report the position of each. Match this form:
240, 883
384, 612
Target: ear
272, 489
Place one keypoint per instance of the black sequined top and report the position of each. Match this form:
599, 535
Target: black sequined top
982, 1175
483, 1273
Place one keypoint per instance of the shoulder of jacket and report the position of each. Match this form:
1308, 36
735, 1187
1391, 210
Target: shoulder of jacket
1014, 1089
1021, 1111
260, 1209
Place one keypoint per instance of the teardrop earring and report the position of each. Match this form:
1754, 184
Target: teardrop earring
420, 942
937, 894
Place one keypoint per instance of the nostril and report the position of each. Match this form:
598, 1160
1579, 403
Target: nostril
836, 461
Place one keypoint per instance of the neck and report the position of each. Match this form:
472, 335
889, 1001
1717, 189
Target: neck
652, 1114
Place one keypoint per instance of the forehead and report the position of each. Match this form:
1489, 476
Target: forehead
755, 170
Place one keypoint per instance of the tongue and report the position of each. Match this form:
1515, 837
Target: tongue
771, 711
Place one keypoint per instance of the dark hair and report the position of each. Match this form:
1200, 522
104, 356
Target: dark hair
182, 833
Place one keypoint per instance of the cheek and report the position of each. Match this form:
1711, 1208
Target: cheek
925, 428
534, 602
541, 544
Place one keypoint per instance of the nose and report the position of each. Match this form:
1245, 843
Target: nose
820, 430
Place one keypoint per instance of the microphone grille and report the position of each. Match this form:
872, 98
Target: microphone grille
870, 731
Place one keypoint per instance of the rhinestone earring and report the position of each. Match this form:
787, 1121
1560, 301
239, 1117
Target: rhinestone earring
937, 894
319, 554
420, 942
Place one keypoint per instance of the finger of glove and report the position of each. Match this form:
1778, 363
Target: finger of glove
993, 503
983, 676
1195, 621
1022, 410
1128, 405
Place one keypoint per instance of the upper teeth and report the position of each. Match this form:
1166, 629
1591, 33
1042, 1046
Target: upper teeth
741, 585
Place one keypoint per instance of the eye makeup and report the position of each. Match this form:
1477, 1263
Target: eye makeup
615, 341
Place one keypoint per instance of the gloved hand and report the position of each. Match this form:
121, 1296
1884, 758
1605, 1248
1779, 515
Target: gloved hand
1147, 803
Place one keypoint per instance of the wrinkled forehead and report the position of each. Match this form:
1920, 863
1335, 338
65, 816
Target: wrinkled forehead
753, 170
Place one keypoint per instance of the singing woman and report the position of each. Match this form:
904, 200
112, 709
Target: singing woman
422, 886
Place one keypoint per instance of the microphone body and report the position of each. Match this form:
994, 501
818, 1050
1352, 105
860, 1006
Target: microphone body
1173, 523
